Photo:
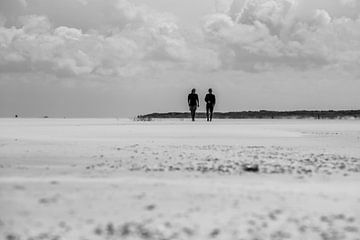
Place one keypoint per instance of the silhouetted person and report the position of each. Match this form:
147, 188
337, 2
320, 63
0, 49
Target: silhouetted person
210, 103
193, 101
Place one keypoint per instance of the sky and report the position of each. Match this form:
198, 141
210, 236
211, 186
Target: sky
122, 58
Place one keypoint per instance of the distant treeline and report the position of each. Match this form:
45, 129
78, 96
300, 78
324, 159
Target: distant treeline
263, 114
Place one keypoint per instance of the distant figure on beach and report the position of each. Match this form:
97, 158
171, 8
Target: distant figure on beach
193, 101
210, 103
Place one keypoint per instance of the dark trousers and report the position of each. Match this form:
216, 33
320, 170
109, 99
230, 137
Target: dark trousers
209, 111
192, 111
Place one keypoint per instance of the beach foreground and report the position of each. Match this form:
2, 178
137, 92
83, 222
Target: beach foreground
119, 179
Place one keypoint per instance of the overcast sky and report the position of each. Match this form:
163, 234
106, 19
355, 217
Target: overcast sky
96, 58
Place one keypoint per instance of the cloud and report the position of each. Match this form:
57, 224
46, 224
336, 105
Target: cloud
272, 12
267, 34
142, 42
35, 24
133, 40
321, 17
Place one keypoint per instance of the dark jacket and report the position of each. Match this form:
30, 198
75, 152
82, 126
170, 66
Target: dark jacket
193, 99
210, 99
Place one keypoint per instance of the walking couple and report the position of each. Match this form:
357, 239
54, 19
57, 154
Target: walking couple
193, 101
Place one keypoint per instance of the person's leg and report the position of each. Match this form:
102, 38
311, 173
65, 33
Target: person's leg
211, 112
193, 109
207, 112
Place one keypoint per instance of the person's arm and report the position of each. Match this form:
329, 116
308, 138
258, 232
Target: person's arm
214, 100
189, 99
197, 100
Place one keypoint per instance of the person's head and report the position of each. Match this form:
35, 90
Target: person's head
193, 90
210, 90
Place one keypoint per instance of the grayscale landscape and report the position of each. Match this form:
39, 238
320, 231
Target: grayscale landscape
179, 119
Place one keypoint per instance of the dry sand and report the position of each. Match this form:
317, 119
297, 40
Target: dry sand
119, 179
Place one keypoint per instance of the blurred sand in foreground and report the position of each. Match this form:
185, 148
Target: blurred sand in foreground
172, 179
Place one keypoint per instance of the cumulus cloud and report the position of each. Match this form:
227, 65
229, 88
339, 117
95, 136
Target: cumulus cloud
321, 17
273, 12
35, 24
274, 33
251, 35
142, 41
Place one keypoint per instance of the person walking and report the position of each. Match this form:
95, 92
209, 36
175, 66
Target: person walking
210, 103
193, 101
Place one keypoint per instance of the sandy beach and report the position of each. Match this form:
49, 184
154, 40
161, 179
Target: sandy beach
173, 179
